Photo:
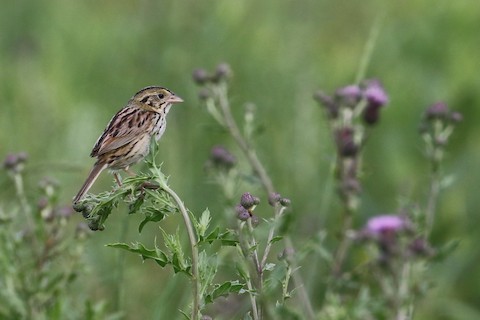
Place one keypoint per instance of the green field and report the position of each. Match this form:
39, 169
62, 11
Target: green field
67, 66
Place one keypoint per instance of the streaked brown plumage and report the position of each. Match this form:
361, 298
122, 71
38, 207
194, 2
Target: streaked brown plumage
126, 140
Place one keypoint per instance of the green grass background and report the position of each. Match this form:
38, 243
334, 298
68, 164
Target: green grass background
67, 66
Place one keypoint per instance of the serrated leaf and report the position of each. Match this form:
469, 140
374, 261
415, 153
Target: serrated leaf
212, 236
203, 223
151, 215
223, 290
136, 205
157, 255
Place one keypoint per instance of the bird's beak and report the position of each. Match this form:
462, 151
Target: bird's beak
175, 99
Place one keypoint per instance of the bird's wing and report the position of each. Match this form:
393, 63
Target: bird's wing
126, 125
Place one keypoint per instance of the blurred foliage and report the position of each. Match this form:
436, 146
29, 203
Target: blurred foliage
67, 66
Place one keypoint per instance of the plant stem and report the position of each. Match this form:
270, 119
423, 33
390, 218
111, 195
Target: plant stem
278, 214
368, 50
119, 274
249, 152
253, 300
193, 246
344, 245
231, 125
432, 198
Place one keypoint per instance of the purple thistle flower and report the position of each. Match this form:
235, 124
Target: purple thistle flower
388, 223
376, 98
349, 95
375, 93
437, 110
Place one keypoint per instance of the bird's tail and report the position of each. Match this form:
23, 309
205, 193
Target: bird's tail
96, 170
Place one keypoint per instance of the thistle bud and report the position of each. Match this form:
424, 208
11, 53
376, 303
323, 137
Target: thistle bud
456, 117
201, 76
242, 213
349, 96
330, 106
248, 201
438, 110
221, 157
345, 142
274, 198
223, 72
285, 202
14, 161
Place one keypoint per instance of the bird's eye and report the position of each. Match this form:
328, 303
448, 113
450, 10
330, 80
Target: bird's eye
161, 95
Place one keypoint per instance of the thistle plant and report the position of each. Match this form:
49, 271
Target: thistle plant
351, 112
214, 93
437, 125
150, 195
41, 250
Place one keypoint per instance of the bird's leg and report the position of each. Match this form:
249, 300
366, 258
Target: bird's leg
130, 172
118, 179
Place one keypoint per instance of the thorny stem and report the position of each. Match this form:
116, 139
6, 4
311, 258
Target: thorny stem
244, 252
404, 309
278, 214
344, 245
18, 180
435, 185
348, 171
249, 152
193, 246
253, 299
256, 263
120, 270
230, 124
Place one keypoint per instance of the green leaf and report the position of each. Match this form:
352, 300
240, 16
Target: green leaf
223, 290
276, 239
136, 205
269, 266
157, 255
151, 215
212, 236
203, 223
